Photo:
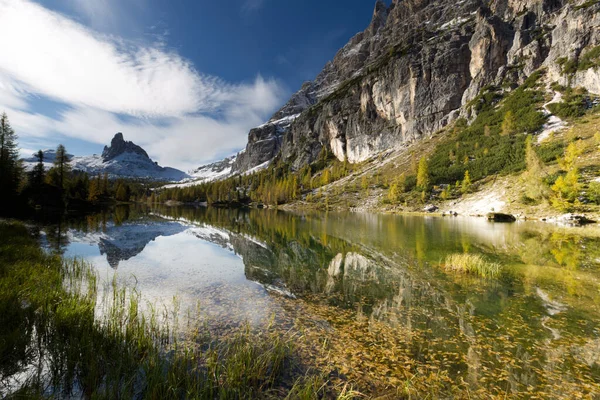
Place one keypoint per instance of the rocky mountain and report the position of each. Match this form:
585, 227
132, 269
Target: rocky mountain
118, 146
122, 159
215, 170
418, 65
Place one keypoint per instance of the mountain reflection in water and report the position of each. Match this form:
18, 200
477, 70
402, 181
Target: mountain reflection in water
249, 265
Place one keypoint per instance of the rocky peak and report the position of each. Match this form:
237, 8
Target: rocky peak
379, 17
416, 66
118, 146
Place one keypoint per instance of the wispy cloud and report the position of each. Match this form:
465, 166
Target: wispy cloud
251, 5
182, 115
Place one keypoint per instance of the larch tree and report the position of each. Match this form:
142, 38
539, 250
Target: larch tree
509, 124
423, 175
533, 178
466, 183
566, 188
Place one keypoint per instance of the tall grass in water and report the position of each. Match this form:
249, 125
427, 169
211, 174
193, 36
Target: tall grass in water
472, 264
55, 343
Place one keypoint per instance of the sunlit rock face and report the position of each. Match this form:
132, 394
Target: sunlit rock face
412, 70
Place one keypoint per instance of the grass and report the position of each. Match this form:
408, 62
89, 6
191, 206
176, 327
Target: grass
472, 264
61, 342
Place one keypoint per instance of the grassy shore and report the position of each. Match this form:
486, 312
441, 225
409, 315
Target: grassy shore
57, 342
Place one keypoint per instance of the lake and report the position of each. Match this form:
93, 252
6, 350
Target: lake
369, 294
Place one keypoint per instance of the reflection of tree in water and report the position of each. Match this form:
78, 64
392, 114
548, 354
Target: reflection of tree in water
57, 237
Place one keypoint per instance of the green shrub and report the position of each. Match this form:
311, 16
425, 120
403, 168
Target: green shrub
479, 147
590, 59
564, 110
549, 152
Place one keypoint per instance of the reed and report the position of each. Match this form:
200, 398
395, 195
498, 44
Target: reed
472, 264
60, 340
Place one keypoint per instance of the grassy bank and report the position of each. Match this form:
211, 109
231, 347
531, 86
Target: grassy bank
54, 341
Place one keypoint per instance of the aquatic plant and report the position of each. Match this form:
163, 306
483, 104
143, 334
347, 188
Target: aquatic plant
472, 264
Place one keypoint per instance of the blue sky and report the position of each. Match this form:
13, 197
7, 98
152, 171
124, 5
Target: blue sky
186, 79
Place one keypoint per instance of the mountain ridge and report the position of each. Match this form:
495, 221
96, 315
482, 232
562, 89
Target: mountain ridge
416, 68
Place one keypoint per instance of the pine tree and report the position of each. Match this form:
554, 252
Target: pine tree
59, 173
423, 175
37, 175
62, 165
10, 167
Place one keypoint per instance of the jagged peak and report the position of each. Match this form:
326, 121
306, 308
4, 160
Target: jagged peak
380, 14
118, 146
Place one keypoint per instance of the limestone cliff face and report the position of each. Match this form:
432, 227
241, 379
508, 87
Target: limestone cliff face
413, 69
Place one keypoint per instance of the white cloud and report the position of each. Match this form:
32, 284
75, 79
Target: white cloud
181, 116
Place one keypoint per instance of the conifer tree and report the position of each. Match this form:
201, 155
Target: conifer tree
10, 168
61, 163
37, 175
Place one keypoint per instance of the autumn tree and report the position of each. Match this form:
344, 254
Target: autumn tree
533, 178
423, 175
466, 183
509, 124
566, 188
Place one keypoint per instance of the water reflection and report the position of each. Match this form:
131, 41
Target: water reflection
535, 326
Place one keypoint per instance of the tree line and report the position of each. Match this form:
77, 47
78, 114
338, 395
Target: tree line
58, 187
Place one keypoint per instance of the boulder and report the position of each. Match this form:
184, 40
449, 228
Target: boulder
500, 217
430, 208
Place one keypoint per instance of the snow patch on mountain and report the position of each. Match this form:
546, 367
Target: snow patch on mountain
130, 165
284, 122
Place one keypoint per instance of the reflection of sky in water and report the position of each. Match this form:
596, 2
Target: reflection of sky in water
185, 266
